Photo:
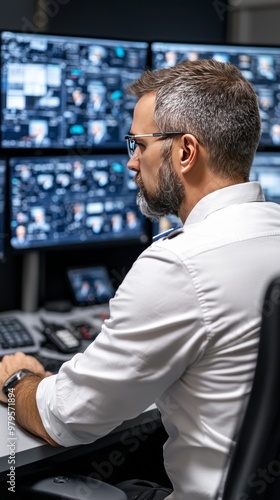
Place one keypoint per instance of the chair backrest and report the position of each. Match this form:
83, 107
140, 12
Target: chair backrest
254, 469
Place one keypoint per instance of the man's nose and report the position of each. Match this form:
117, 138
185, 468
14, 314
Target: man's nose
133, 163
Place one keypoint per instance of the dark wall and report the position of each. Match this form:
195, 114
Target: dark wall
177, 20
182, 20
15, 13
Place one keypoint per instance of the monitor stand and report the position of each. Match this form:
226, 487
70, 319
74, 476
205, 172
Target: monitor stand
30, 282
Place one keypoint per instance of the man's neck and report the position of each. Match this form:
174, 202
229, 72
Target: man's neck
196, 193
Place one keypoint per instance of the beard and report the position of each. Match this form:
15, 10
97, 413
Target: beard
168, 196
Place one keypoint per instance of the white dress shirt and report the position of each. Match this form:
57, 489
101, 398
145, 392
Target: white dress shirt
183, 332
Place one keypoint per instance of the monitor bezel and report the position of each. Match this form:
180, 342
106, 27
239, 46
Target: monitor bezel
5, 213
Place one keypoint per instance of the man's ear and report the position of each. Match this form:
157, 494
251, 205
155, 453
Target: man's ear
188, 152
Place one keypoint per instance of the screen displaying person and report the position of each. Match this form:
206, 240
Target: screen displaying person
78, 98
98, 132
38, 131
19, 240
275, 133
97, 55
97, 102
266, 67
86, 292
38, 224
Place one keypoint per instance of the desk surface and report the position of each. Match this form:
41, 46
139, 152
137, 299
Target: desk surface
28, 448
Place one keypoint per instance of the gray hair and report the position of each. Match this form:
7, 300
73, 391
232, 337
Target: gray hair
214, 102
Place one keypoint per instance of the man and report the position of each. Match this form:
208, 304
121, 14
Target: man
184, 324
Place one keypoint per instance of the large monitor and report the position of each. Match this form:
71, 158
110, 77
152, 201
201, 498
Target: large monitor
2, 208
266, 170
73, 200
259, 64
66, 91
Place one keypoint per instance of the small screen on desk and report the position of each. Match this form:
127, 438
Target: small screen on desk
266, 170
259, 64
90, 285
66, 91
74, 200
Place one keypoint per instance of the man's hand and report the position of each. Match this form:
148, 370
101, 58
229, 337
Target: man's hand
14, 362
27, 415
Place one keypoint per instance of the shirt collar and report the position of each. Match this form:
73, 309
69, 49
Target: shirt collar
246, 192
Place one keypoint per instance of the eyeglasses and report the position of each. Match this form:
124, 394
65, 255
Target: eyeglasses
132, 143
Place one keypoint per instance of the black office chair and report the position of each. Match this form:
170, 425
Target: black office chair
254, 469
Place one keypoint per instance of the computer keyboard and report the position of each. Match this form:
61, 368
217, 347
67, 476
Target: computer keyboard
14, 336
